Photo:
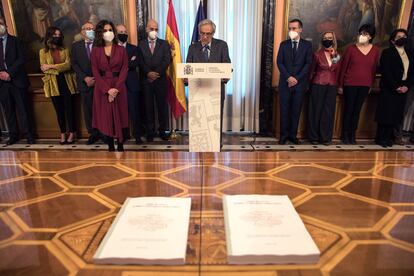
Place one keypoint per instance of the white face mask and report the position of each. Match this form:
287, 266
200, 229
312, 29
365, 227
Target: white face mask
108, 36
153, 35
293, 35
363, 39
2, 29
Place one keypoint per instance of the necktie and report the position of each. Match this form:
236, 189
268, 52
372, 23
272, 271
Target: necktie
152, 46
88, 49
206, 48
294, 49
2, 68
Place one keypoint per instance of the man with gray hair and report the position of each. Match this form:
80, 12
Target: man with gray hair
210, 50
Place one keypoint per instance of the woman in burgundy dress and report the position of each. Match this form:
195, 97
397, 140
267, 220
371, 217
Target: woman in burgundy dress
357, 75
110, 69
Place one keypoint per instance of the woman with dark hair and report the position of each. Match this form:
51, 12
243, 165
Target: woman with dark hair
110, 68
356, 77
59, 81
322, 100
396, 75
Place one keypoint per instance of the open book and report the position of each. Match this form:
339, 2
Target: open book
264, 229
147, 231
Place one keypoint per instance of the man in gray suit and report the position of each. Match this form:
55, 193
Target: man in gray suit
210, 50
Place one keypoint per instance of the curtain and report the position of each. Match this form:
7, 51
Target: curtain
266, 90
241, 110
142, 17
239, 23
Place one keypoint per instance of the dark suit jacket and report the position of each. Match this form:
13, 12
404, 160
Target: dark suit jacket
81, 64
14, 59
132, 81
392, 69
157, 62
390, 109
219, 52
298, 68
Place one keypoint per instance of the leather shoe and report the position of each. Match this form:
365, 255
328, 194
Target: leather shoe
314, 142
295, 141
282, 141
138, 141
11, 141
92, 139
164, 136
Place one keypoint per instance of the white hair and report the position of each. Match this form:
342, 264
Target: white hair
207, 22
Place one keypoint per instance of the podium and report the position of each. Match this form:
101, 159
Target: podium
204, 103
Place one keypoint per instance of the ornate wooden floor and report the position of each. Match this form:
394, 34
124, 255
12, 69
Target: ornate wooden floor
55, 207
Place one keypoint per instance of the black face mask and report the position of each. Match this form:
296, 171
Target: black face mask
123, 37
327, 43
58, 41
401, 41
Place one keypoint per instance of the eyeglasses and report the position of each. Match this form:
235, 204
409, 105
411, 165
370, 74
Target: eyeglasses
205, 34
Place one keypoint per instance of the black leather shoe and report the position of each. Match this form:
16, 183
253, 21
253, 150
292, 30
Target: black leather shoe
138, 141
164, 136
314, 142
295, 141
120, 147
92, 139
31, 141
282, 141
11, 141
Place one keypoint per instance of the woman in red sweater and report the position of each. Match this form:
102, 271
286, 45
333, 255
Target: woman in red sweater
322, 100
356, 78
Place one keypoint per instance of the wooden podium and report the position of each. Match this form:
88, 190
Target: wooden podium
204, 102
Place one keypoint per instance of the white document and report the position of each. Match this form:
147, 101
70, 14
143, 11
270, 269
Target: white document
148, 231
264, 229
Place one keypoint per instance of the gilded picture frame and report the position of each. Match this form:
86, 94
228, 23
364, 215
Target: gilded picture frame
30, 19
345, 18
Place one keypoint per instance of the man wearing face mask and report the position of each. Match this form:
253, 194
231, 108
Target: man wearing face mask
154, 57
132, 83
293, 60
13, 87
81, 64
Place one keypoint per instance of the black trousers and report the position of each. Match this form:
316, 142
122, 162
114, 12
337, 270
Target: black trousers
354, 97
385, 133
87, 103
290, 108
156, 92
135, 111
64, 106
16, 108
321, 112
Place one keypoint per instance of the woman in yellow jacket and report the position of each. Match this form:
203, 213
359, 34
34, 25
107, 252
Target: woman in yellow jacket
59, 82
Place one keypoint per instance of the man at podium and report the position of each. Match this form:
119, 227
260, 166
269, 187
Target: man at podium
210, 50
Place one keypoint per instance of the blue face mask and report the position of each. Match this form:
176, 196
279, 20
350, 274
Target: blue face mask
90, 34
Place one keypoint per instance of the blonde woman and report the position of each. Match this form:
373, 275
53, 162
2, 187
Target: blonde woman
322, 100
59, 82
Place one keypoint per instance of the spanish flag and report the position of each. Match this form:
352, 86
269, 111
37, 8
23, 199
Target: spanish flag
176, 94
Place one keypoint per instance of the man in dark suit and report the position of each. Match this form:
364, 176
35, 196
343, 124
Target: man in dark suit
154, 57
210, 50
14, 87
81, 64
293, 60
132, 83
